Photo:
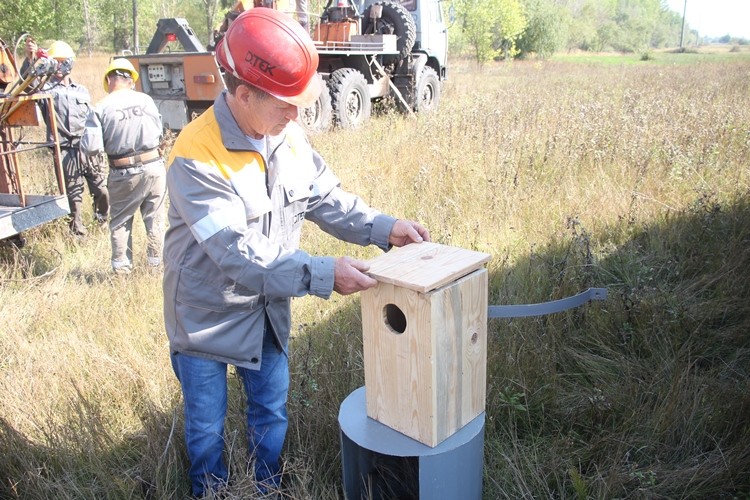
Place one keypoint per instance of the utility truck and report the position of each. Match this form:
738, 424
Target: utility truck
394, 51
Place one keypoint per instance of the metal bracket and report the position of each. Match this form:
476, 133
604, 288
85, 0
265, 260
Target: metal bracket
392, 85
524, 310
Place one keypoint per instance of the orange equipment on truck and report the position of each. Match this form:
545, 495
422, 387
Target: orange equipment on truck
369, 50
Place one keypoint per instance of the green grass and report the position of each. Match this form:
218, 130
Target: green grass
688, 56
633, 177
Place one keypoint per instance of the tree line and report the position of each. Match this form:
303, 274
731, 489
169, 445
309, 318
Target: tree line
484, 29
491, 29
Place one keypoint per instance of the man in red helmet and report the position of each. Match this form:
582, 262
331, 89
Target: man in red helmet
242, 178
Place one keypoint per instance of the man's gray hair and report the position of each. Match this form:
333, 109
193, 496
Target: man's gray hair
233, 83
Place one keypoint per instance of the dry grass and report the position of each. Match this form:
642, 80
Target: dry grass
635, 177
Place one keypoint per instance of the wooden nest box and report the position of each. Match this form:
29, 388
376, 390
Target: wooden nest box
425, 340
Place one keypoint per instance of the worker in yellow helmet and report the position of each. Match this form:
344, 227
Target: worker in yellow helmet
72, 103
119, 67
127, 126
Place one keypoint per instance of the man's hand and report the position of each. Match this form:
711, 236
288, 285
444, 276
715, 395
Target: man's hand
406, 231
349, 277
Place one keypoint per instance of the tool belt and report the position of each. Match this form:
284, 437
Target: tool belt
132, 160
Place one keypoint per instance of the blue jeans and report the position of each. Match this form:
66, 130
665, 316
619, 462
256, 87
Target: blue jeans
204, 389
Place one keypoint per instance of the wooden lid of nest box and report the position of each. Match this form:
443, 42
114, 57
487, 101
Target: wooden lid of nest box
424, 331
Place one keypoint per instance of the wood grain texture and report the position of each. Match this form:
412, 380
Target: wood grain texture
426, 378
425, 266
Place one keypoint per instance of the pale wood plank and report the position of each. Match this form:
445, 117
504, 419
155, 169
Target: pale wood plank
425, 266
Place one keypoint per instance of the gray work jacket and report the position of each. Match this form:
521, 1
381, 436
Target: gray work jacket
231, 255
124, 123
72, 103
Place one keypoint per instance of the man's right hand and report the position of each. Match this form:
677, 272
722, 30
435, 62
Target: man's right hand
349, 277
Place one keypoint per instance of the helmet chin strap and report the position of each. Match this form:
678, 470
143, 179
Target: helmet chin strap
131, 84
230, 59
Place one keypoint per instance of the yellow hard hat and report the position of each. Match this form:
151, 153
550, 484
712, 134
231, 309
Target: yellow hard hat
60, 50
122, 65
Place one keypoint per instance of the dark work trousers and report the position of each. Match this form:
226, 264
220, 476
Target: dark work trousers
80, 170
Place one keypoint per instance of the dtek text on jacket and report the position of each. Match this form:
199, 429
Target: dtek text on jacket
124, 123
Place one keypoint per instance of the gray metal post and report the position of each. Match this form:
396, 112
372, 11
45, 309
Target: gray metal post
682, 32
380, 463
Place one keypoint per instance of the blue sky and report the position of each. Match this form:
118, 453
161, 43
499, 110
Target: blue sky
715, 18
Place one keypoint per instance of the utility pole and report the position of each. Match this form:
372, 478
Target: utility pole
682, 33
136, 42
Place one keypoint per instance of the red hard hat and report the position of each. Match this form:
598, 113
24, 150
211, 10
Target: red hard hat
270, 50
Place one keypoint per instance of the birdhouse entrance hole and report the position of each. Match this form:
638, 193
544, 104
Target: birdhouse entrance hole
394, 318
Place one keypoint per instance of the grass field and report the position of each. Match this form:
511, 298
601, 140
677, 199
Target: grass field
572, 173
688, 55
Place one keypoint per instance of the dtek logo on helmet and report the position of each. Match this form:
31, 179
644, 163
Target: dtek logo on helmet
260, 63
273, 53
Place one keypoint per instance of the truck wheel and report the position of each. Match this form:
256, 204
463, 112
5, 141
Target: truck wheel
395, 20
350, 98
317, 118
428, 91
